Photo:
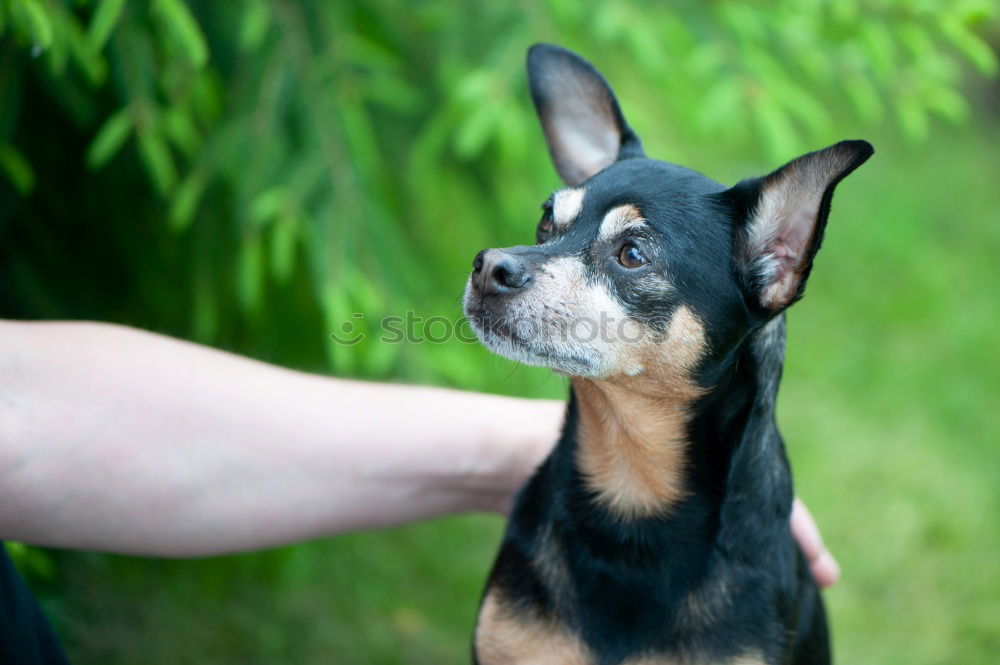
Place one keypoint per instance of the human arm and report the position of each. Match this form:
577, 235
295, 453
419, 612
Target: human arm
119, 440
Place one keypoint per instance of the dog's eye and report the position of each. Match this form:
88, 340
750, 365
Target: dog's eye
630, 257
545, 226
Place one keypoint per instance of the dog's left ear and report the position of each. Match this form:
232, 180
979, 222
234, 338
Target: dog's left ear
583, 125
783, 216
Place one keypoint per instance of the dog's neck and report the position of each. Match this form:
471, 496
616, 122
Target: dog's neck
631, 443
704, 466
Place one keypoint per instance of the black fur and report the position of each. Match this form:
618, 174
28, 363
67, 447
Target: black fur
629, 583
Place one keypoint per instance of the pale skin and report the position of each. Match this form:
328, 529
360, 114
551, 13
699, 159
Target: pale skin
119, 440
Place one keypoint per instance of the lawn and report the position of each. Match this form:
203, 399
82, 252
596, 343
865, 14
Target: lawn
889, 405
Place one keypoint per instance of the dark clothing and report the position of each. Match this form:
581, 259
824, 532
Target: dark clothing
26, 638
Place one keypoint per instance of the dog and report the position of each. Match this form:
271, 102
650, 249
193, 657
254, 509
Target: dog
656, 532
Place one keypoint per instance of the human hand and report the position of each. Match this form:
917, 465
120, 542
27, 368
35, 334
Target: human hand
824, 567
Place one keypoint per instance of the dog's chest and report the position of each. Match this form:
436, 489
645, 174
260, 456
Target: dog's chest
505, 636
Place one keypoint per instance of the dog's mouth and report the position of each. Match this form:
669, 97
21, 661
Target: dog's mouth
522, 338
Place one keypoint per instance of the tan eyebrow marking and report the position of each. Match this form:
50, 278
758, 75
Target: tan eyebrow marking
566, 205
618, 220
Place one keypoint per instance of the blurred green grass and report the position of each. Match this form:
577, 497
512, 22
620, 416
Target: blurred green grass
888, 405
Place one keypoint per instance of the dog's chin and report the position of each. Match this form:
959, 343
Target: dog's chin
502, 339
508, 346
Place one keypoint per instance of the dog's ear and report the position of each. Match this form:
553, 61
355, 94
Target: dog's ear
583, 124
781, 220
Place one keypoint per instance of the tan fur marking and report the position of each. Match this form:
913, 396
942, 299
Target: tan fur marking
550, 564
631, 437
506, 638
684, 344
706, 603
566, 206
746, 659
630, 454
618, 220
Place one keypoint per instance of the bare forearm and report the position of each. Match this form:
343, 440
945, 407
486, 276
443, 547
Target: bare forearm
119, 440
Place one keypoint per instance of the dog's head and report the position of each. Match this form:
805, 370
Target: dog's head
641, 267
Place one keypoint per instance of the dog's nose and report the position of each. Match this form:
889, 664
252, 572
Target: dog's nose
496, 271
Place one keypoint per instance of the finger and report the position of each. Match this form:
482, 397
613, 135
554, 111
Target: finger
825, 569
822, 564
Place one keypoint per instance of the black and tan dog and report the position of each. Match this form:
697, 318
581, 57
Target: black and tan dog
657, 530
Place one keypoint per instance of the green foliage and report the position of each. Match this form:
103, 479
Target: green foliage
253, 173
315, 137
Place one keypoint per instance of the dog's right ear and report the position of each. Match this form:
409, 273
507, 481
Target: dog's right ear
782, 218
583, 124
